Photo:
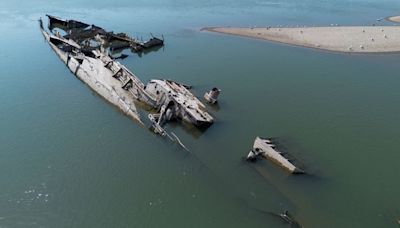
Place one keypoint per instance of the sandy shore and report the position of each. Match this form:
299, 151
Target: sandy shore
394, 19
358, 39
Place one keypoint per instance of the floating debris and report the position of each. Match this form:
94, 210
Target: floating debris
266, 148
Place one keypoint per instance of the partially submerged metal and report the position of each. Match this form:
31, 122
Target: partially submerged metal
285, 216
86, 35
212, 95
84, 49
67, 24
264, 147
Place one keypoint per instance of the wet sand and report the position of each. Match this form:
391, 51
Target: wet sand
357, 39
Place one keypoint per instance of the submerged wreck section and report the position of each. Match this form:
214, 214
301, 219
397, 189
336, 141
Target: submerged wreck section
85, 51
65, 24
264, 147
92, 36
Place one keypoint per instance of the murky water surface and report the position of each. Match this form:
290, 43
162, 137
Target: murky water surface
69, 159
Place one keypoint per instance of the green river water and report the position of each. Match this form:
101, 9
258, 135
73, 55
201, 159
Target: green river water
70, 159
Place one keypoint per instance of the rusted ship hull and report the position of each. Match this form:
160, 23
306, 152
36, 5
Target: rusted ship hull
93, 73
119, 86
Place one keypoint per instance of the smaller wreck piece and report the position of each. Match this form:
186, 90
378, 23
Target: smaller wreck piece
212, 95
285, 216
153, 42
264, 147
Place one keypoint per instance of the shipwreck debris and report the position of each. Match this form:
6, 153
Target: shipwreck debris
85, 50
153, 42
285, 216
212, 95
179, 103
179, 141
87, 35
66, 24
156, 124
264, 147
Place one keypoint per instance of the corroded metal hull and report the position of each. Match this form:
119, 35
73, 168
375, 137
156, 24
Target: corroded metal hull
117, 84
99, 78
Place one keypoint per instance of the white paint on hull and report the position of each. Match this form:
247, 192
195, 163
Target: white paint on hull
93, 72
265, 148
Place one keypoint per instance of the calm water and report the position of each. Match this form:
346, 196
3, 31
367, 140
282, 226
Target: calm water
69, 159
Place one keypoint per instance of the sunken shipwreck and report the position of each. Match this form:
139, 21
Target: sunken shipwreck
85, 49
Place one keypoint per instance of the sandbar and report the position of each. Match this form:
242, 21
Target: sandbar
357, 39
394, 19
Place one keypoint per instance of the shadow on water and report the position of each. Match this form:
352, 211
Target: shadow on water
149, 50
214, 107
283, 218
271, 172
298, 156
190, 129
